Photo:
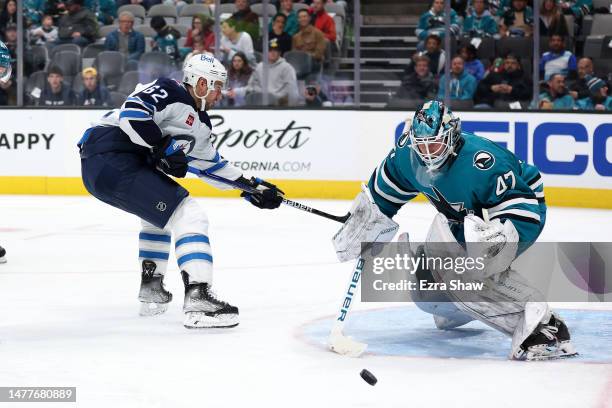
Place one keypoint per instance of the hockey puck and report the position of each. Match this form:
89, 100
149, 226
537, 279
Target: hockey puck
368, 377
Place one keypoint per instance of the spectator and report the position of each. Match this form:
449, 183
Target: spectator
473, 66
517, 21
197, 47
558, 60
309, 39
10, 39
462, 84
7, 67
94, 93
419, 83
125, 39
202, 25
33, 12
78, 26
282, 81
551, 19
578, 8
556, 96
432, 22
314, 95
245, 18
55, 92
104, 10
46, 33
278, 32
580, 88
435, 53
598, 98
323, 21
497, 8
8, 16
238, 76
166, 39
509, 85
56, 9
233, 41
291, 25
479, 22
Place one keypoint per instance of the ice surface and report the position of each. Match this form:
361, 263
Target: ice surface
69, 317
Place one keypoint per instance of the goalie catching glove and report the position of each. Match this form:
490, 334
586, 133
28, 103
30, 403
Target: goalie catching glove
268, 195
497, 243
170, 158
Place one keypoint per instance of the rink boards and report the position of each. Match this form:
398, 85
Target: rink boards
320, 154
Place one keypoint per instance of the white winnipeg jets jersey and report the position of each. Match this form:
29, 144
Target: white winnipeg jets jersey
164, 108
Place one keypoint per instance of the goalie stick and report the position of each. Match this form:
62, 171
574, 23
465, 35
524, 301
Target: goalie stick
338, 342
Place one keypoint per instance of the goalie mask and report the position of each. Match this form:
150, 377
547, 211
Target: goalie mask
434, 133
5, 63
204, 66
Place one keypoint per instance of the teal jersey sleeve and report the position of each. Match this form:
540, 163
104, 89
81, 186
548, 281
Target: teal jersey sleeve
388, 188
517, 195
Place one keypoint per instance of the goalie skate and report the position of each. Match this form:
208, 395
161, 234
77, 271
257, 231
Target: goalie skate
549, 341
153, 295
203, 310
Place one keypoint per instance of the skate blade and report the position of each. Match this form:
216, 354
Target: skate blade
152, 309
562, 351
2, 260
199, 320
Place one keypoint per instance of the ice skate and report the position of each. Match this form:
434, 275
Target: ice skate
153, 295
203, 310
549, 341
2, 255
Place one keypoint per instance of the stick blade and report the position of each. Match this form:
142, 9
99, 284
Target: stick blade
344, 345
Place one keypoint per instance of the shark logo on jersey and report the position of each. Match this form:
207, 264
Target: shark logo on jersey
483, 160
185, 142
452, 211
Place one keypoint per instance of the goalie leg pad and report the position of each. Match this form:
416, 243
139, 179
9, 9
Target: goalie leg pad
507, 302
366, 224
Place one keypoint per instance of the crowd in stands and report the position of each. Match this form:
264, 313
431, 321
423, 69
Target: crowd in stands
81, 52
504, 79
115, 41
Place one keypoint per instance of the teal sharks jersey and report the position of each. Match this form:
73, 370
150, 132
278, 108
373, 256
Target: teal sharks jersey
481, 175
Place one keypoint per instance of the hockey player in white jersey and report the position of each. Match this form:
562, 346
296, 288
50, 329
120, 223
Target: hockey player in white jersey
160, 130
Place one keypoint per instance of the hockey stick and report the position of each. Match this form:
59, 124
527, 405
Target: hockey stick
338, 342
248, 189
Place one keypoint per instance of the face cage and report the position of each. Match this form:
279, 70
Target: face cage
447, 140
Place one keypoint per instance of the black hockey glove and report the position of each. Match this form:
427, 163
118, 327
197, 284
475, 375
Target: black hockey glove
170, 158
268, 197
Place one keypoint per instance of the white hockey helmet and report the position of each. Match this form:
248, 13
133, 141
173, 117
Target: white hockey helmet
204, 66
